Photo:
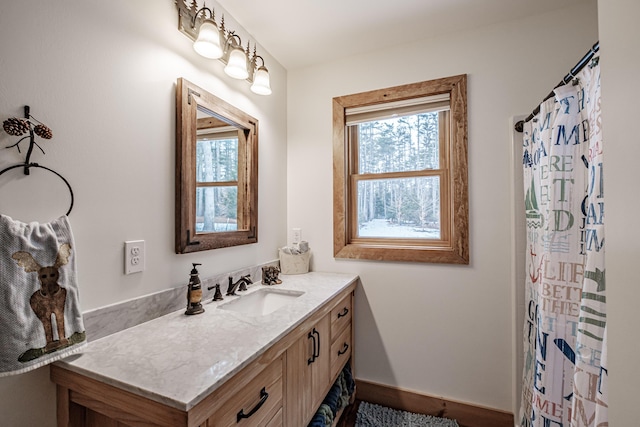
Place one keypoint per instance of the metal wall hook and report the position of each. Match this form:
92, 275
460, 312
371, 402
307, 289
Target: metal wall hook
28, 164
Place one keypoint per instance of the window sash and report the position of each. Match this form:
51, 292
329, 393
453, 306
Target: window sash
445, 229
445, 232
443, 149
442, 172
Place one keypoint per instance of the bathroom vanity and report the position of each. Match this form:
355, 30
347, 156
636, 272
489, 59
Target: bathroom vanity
267, 360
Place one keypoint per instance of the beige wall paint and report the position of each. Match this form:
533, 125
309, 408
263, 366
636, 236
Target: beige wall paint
102, 75
438, 329
620, 61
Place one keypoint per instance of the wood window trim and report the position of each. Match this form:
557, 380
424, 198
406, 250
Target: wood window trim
451, 250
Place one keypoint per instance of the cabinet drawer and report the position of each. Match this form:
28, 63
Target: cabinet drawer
257, 404
340, 351
340, 316
276, 421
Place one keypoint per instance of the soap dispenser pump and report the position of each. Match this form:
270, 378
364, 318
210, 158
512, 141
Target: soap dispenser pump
194, 293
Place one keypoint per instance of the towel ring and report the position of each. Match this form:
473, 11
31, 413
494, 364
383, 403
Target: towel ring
26, 166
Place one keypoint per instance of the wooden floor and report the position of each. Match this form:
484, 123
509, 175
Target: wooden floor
348, 418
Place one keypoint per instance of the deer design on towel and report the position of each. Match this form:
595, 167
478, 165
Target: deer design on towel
51, 297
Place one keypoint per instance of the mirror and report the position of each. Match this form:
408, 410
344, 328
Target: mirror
216, 172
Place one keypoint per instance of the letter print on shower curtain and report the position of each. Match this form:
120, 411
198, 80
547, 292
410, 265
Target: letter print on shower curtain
565, 374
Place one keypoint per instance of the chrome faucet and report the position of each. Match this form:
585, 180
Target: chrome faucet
240, 285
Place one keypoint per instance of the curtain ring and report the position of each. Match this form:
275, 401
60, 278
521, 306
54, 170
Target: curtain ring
36, 165
568, 78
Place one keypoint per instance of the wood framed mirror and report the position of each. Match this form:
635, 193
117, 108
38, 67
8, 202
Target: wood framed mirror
216, 172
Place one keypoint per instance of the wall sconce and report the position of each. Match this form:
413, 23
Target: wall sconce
215, 42
237, 59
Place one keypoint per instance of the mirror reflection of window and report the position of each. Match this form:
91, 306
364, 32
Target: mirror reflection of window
217, 181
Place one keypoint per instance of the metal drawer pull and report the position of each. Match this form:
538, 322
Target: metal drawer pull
313, 356
345, 311
263, 398
318, 334
344, 349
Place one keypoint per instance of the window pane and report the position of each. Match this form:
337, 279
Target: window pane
217, 160
399, 144
402, 208
216, 209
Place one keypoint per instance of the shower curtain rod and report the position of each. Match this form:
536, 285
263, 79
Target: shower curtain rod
579, 66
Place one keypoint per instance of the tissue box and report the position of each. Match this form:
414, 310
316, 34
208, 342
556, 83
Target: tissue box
294, 264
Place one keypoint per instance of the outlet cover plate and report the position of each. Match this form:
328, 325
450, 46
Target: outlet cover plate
134, 256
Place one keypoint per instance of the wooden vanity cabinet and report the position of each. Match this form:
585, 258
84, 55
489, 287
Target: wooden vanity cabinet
284, 386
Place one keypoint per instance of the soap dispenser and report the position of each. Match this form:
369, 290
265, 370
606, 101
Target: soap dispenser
194, 293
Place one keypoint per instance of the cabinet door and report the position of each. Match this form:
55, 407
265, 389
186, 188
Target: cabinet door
308, 368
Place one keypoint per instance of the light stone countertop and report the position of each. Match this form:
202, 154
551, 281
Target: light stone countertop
178, 360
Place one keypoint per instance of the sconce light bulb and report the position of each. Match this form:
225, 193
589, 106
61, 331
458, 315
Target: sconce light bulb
208, 42
237, 65
261, 84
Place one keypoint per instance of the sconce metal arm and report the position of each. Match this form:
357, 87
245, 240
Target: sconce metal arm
201, 10
230, 41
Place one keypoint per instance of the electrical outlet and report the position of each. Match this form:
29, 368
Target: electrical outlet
296, 235
133, 256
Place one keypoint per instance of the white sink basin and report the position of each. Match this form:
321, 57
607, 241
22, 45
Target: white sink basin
261, 302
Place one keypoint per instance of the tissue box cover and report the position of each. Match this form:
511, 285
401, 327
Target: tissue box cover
294, 264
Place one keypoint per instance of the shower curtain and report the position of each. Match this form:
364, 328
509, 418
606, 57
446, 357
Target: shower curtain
565, 367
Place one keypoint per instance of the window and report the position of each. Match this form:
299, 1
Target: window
400, 173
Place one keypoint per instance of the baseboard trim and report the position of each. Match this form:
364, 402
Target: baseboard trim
465, 414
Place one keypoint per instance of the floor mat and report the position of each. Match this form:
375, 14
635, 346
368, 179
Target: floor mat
372, 415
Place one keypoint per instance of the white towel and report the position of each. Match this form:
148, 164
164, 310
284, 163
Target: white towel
40, 316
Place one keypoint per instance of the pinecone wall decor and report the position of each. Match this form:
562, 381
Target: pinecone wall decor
15, 126
43, 131
30, 126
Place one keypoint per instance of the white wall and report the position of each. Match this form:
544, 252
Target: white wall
102, 75
620, 61
438, 329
